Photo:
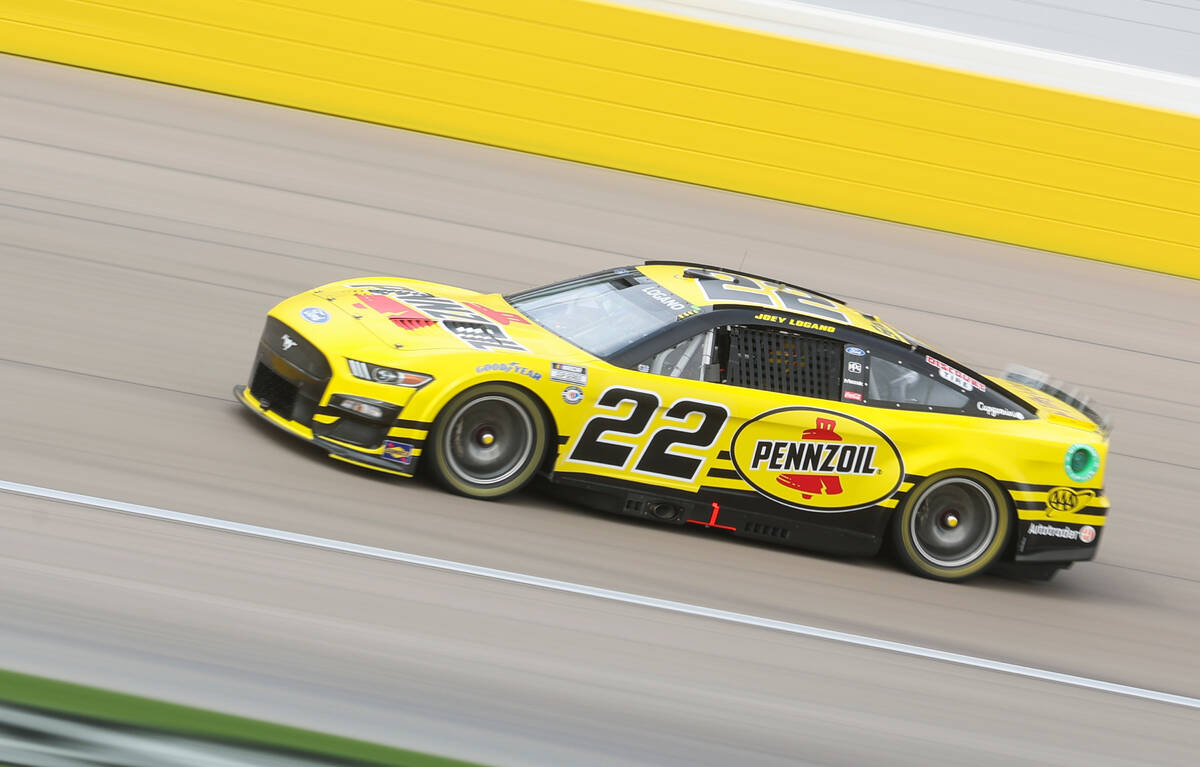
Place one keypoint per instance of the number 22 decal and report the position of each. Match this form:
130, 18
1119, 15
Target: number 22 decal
718, 286
657, 457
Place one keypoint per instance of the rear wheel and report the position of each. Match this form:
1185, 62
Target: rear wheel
488, 441
952, 526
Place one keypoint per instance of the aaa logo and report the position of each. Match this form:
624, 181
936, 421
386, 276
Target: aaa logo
1065, 500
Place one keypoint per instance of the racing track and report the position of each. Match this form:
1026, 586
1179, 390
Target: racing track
144, 230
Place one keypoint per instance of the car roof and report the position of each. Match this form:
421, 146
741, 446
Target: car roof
684, 280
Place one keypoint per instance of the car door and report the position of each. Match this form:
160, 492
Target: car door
747, 406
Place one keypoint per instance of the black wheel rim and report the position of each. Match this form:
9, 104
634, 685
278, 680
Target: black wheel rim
954, 522
489, 440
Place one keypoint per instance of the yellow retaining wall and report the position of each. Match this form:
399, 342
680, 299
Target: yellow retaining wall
682, 99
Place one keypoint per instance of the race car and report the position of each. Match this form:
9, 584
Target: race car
697, 396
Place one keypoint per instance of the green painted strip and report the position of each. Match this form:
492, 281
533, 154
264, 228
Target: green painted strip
94, 703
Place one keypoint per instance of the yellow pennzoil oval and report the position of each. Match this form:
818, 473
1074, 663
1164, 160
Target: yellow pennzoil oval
816, 459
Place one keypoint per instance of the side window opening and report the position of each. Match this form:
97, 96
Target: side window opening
895, 383
781, 361
687, 359
755, 357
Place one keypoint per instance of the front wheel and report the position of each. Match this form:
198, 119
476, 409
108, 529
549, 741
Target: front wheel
952, 526
488, 441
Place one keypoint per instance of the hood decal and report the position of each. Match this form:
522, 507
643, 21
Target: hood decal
479, 327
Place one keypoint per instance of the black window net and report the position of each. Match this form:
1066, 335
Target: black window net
789, 363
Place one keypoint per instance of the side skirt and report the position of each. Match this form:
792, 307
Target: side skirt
741, 514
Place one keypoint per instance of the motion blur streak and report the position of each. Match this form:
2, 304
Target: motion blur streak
592, 591
145, 231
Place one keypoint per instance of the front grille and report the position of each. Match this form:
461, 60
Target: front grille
358, 433
296, 350
273, 391
788, 363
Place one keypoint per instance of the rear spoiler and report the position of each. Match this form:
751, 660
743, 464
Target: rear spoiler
1057, 389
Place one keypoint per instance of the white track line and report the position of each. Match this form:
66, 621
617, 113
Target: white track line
592, 591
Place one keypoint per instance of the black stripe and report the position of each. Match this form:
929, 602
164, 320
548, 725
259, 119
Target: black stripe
724, 474
913, 478
563, 438
404, 423
723, 455
1027, 488
1098, 511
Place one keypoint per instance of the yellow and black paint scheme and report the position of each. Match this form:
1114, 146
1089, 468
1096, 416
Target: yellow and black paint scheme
823, 472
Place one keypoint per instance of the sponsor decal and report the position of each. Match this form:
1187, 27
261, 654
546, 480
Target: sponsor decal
477, 326
852, 382
287, 342
816, 459
572, 395
854, 351
1085, 534
572, 374
796, 323
1067, 500
998, 412
502, 318
314, 314
884, 329
853, 396
643, 367
955, 376
667, 299
509, 367
854, 367
399, 452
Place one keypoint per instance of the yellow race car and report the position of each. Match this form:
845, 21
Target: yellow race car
694, 395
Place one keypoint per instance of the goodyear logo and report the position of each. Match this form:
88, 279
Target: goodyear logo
817, 459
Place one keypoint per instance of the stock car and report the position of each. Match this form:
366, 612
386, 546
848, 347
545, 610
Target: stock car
694, 395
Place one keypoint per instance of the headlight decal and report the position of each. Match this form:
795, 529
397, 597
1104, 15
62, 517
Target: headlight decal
385, 375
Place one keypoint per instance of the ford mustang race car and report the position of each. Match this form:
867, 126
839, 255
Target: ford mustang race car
698, 396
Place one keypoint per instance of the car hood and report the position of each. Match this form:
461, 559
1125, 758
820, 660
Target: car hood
414, 315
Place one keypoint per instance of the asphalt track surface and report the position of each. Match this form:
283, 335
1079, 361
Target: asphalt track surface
144, 231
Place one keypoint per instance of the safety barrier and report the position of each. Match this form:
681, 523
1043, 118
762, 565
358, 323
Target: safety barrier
682, 99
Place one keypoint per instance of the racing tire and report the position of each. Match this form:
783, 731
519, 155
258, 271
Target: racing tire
952, 526
488, 442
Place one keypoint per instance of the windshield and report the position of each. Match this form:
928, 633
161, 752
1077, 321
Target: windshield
603, 313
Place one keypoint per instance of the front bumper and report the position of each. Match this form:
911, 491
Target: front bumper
292, 386
1047, 541
397, 455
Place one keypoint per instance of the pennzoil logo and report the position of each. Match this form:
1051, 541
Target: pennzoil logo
816, 459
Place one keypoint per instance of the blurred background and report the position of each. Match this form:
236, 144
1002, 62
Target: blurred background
1010, 181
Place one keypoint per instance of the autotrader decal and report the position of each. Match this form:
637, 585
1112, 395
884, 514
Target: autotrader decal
838, 463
